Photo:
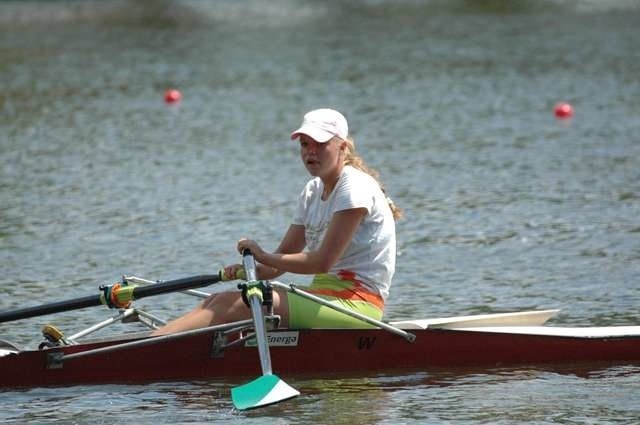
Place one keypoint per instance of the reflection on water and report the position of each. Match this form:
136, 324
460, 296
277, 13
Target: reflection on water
539, 395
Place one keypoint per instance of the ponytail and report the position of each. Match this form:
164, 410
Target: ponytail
353, 159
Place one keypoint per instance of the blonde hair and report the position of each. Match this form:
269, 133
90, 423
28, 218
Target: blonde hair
352, 158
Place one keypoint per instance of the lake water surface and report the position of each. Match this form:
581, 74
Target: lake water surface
506, 207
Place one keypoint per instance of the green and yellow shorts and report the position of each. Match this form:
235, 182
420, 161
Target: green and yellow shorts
343, 290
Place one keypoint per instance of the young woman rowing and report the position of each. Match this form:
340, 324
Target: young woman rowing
345, 221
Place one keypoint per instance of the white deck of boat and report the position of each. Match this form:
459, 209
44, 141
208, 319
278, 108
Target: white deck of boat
521, 318
572, 332
524, 322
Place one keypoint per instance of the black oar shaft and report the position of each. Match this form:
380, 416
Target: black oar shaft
175, 285
93, 300
56, 307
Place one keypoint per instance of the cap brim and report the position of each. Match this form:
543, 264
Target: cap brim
315, 133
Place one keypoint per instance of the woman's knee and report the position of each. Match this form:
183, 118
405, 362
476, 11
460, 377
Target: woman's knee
229, 306
220, 299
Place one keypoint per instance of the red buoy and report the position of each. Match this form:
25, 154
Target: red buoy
172, 96
563, 110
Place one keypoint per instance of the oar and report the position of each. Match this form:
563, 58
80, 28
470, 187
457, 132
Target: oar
123, 294
269, 388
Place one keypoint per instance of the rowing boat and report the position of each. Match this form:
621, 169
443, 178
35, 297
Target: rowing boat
486, 340
229, 351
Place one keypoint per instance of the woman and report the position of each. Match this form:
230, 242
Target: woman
345, 221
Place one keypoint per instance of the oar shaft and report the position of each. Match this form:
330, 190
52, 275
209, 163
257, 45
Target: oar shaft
175, 285
94, 300
261, 335
56, 307
268, 388
255, 302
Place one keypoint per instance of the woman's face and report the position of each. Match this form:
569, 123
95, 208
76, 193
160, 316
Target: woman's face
321, 159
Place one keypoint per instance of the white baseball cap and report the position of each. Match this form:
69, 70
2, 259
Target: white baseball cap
322, 125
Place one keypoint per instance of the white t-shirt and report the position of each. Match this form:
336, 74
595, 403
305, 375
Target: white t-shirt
371, 255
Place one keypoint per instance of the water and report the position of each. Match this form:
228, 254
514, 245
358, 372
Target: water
506, 208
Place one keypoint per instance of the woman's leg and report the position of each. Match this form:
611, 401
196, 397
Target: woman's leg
307, 314
222, 308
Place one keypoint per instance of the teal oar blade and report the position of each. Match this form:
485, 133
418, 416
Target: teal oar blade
267, 389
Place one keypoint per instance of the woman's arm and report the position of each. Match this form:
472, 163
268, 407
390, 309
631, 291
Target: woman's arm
289, 256
292, 242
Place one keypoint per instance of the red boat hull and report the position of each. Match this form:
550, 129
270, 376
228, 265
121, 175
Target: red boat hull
316, 352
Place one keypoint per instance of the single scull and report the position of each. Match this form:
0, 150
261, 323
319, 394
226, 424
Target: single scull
232, 351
